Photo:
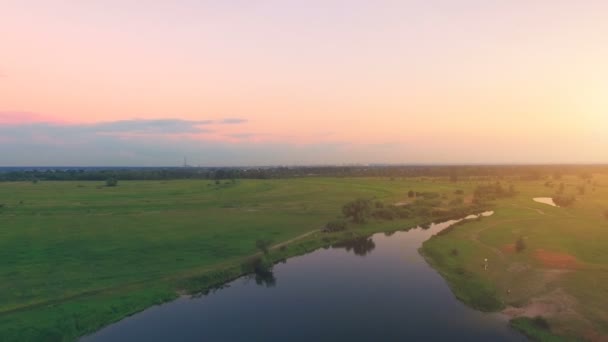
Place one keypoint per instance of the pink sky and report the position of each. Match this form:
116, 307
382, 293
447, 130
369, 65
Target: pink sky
455, 81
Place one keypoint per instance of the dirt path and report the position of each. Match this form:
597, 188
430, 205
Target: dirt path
299, 237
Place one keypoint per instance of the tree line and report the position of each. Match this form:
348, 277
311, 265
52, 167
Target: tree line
454, 173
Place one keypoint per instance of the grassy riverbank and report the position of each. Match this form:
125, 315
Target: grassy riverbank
79, 255
543, 261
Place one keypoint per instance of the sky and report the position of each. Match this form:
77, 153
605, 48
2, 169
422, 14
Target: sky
147, 83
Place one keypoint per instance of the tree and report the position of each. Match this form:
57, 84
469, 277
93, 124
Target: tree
520, 244
453, 176
263, 245
335, 226
359, 210
111, 181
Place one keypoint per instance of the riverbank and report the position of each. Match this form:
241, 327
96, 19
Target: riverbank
546, 265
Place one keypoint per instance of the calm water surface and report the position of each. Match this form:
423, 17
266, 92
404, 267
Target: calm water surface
375, 289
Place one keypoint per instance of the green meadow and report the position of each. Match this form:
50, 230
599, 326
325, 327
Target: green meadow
542, 260
79, 255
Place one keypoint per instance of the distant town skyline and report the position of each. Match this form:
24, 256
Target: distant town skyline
235, 83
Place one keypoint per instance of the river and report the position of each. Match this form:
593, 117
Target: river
374, 289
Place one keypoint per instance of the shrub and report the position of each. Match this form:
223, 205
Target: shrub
429, 195
411, 194
459, 192
263, 245
540, 322
457, 201
520, 244
563, 200
379, 204
111, 181
402, 212
454, 252
384, 214
359, 210
335, 226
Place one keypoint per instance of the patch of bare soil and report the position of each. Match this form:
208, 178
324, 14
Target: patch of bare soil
516, 267
555, 303
508, 248
556, 259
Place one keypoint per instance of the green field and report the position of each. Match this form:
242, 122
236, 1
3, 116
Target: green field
560, 274
78, 255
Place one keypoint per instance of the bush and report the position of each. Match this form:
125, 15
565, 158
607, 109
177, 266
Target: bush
455, 252
335, 226
111, 181
457, 201
402, 212
428, 195
563, 200
384, 214
379, 204
411, 194
520, 244
359, 210
263, 245
459, 192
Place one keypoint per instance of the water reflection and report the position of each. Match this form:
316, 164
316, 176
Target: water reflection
360, 246
260, 270
264, 278
320, 297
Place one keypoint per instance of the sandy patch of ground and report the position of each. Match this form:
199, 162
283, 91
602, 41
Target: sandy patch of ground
556, 259
557, 302
516, 267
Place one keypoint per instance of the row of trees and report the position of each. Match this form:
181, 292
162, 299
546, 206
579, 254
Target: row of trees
453, 173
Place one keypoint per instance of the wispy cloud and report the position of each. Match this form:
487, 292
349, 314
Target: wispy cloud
36, 123
146, 126
231, 121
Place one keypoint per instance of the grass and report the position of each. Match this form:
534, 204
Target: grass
79, 255
562, 268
